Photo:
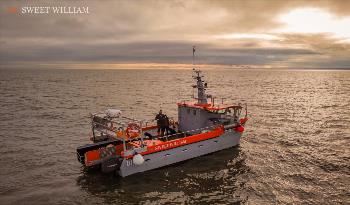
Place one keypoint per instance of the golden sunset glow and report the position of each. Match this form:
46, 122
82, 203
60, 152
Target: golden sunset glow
312, 20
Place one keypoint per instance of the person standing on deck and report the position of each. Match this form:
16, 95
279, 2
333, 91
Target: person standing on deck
166, 124
160, 120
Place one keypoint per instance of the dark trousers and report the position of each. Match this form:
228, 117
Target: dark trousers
162, 130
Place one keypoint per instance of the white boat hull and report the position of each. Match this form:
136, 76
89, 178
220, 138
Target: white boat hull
182, 153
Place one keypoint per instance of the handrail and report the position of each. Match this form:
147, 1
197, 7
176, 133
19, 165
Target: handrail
188, 131
146, 122
114, 129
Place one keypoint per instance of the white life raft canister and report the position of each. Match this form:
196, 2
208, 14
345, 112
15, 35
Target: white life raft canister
113, 113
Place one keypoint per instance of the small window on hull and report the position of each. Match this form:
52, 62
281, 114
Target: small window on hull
200, 145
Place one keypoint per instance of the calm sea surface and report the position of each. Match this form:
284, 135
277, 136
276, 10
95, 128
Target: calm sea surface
296, 148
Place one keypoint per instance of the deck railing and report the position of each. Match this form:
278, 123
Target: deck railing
188, 132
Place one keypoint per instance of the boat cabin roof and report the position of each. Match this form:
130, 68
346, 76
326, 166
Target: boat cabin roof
209, 106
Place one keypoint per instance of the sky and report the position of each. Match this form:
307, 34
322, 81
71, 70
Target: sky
234, 33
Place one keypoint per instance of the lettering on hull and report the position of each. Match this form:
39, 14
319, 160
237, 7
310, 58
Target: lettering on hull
181, 142
129, 162
170, 145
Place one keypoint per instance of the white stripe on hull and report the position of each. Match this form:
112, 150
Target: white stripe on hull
178, 154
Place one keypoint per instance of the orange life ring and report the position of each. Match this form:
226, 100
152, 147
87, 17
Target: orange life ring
133, 130
120, 132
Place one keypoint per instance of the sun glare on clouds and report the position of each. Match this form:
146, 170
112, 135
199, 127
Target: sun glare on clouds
312, 20
303, 21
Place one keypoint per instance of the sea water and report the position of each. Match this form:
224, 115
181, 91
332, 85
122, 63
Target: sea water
295, 148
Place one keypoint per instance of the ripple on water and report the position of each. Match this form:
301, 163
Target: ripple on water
295, 148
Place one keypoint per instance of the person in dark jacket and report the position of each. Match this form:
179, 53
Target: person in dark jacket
166, 124
160, 121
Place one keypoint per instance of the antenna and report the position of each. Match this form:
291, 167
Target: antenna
194, 51
202, 97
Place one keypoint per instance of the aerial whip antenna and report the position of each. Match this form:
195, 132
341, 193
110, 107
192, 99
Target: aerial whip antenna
194, 50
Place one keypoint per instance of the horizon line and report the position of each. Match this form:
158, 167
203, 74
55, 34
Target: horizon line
149, 65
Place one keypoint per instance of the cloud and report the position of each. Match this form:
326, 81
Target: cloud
331, 52
164, 31
146, 52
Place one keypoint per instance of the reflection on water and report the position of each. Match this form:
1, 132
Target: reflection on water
295, 148
198, 177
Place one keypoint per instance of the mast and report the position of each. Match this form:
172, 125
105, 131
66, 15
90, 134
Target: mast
202, 97
194, 50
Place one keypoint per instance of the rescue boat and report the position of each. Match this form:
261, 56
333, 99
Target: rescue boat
127, 146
